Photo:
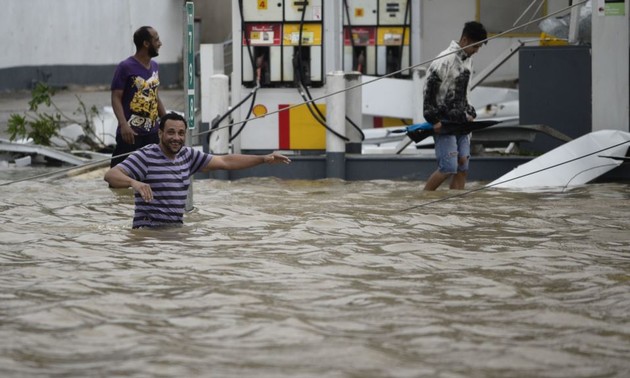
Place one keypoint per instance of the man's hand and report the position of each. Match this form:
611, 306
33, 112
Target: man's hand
437, 127
127, 133
144, 189
276, 158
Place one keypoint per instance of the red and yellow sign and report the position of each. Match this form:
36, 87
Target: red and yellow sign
298, 130
263, 34
262, 4
361, 36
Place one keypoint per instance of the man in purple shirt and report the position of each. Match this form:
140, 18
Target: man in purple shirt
160, 173
135, 99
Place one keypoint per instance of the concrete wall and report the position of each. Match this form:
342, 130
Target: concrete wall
81, 41
216, 20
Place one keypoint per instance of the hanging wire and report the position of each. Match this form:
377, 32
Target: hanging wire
527, 10
537, 9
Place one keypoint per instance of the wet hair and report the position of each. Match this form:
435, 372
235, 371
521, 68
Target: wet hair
173, 117
475, 32
141, 35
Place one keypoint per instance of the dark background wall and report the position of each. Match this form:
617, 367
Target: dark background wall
555, 90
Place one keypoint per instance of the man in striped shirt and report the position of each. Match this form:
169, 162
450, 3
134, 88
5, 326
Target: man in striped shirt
160, 173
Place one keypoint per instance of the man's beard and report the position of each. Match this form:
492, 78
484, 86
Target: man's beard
171, 149
153, 52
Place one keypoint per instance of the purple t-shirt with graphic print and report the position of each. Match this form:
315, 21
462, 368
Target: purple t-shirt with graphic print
169, 181
139, 86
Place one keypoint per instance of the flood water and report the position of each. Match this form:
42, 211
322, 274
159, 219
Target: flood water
275, 278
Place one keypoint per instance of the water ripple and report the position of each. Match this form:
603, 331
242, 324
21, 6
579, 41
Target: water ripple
273, 278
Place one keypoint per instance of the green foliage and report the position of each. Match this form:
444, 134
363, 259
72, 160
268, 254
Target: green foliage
41, 94
42, 126
17, 126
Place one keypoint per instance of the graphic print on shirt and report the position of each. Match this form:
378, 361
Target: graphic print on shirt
447, 87
144, 105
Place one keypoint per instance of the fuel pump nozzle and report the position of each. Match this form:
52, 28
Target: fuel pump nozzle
261, 70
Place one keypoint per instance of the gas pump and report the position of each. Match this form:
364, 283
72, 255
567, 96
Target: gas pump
376, 36
285, 39
302, 43
392, 44
360, 20
271, 42
261, 41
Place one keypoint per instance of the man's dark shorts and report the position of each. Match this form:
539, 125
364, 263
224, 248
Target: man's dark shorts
125, 149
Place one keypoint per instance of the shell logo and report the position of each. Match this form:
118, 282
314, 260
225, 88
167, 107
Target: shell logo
259, 110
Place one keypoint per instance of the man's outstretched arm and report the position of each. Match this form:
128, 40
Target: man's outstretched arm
237, 161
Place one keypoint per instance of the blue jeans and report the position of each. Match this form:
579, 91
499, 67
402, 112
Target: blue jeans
448, 150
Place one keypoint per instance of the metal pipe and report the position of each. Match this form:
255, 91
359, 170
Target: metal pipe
336, 117
219, 140
354, 111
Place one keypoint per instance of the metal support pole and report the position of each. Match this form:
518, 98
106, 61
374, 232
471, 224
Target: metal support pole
189, 78
354, 102
416, 32
336, 119
218, 102
333, 35
610, 59
418, 94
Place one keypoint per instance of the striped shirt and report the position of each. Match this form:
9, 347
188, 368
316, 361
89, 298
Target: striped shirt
169, 181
